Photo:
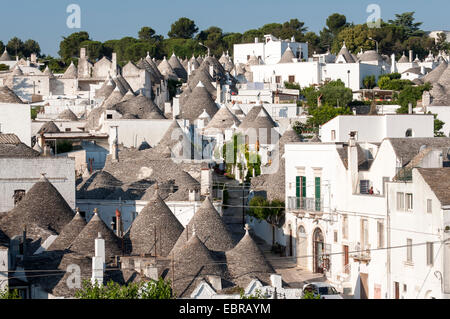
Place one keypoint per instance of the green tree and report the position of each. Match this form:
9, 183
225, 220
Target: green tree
438, 125
369, 82
310, 295
2, 47
406, 22
69, 47
325, 113
213, 39
336, 22
143, 290
15, 46
271, 212
4, 67
183, 28
6, 293
146, 34
30, 46
94, 49
441, 42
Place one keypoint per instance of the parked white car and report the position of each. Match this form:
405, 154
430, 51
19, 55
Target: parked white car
325, 290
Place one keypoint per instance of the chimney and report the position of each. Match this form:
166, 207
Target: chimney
82, 53
352, 160
98, 261
33, 58
219, 92
354, 110
410, 108
194, 195
256, 40
189, 69
276, 281
119, 227
215, 281
114, 143
211, 70
114, 63
206, 181
410, 56
393, 64
422, 69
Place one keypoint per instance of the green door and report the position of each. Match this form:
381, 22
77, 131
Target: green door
317, 196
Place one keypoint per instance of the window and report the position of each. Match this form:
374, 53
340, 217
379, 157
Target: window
409, 201
400, 201
364, 187
68, 129
291, 78
248, 57
345, 227
109, 116
430, 255
380, 230
335, 236
405, 288
278, 79
429, 206
409, 250
409, 133
317, 194
333, 135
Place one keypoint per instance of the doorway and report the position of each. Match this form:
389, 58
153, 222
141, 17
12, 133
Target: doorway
302, 247
364, 288
318, 251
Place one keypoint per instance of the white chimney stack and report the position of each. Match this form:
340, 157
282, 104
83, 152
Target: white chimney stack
114, 142
410, 56
410, 108
353, 161
98, 261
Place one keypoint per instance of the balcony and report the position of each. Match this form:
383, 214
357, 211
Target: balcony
361, 254
304, 204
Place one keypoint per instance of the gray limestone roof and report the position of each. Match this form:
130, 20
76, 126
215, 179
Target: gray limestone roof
434, 76
154, 76
403, 59
49, 127
260, 122
154, 67
198, 101
68, 233
42, 206
98, 186
370, 55
246, 261
125, 87
8, 96
209, 228
194, 62
193, 263
185, 94
178, 68
289, 136
166, 70
199, 60
222, 120
343, 154
141, 107
129, 95
106, 89
212, 61
407, 148
92, 122
439, 181
5, 56
71, 72
346, 54
223, 59
67, 115
84, 243
114, 98
155, 221
201, 75
11, 146
287, 56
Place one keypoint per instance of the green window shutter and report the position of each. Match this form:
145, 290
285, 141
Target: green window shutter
317, 195
297, 186
303, 186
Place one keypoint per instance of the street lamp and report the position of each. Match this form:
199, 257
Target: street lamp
375, 41
206, 47
348, 78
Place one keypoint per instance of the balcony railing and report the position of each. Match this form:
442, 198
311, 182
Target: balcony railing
361, 254
305, 204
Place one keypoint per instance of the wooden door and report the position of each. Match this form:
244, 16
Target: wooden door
346, 259
364, 292
396, 290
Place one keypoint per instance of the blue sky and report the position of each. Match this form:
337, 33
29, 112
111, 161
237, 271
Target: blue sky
45, 20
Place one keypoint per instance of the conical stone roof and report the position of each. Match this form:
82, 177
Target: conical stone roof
155, 220
209, 228
48, 72
49, 127
198, 101
67, 115
247, 259
166, 70
261, 124
178, 67
68, 233
288, 56
141, 107
346, 54
191, 264
84, 243
8, 96
403, 59
200, 75
435, 75
5, 56
222, 120
154, 67
42, 206
289, 136
106, 89
114, 98
71, 72
129, 95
